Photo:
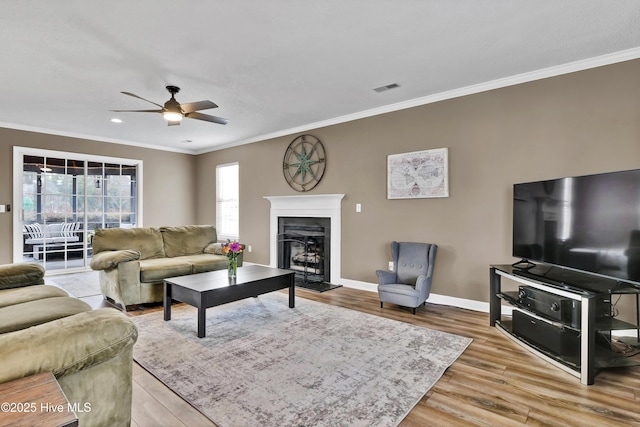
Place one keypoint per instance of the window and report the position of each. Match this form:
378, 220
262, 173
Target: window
61, 198
227, 201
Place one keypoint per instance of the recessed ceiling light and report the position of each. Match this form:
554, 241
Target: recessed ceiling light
116, 120
386, 87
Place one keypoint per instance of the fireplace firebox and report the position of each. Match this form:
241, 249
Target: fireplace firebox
304, 245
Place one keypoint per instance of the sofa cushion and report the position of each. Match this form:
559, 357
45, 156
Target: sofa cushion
72, 239
21, 274
29, 293
147, 241
31, 313
43, 241
398, 288
187, 239
206, 262
53, 230
69, 229
33, 231
214, 248
158, 269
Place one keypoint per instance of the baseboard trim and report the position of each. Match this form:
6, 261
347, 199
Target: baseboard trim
463, 303
433, 298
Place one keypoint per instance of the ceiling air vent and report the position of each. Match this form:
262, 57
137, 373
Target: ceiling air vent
387, 87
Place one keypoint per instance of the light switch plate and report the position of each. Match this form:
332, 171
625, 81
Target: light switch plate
3, 208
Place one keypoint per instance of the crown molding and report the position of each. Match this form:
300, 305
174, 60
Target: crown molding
96, 138
572, 67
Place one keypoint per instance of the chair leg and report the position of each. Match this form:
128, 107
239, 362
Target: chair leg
414, 310
381, 304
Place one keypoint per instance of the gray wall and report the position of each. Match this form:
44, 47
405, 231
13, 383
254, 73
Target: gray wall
582, 123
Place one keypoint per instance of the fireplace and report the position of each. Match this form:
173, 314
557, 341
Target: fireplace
326, 206
304, 245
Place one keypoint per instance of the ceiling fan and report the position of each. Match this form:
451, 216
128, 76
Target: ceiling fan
173, 111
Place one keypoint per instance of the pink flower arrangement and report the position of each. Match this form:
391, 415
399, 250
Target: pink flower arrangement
232, 249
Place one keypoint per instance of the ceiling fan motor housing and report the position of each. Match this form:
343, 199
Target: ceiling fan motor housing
173, 106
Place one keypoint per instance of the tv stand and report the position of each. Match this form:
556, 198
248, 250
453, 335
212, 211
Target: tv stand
566, 325
518, 271
523, 264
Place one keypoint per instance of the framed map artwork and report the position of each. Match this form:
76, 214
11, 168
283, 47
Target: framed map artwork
419, 174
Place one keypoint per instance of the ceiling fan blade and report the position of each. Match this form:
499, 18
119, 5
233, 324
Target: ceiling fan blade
173, 123
207, 118
137, 111
139, 97
190, 107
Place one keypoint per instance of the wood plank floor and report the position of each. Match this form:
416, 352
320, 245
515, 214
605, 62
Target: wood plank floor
494, 383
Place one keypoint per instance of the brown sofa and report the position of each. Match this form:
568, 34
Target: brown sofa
133, 262
90, 352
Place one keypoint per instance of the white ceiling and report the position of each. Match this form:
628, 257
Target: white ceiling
277, 67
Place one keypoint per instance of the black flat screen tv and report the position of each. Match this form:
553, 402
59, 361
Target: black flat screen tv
581, 224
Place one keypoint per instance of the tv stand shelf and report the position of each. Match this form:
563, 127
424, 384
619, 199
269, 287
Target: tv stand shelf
580, 346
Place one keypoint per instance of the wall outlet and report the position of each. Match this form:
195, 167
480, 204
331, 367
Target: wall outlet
3, 208
358, 207
390, 265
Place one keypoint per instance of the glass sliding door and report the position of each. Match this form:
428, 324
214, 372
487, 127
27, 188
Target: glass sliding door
95, 199
119, 191
65, 199
52, 217
111, 195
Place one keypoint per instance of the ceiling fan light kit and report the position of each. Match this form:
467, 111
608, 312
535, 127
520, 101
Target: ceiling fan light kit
172, 116
173, 111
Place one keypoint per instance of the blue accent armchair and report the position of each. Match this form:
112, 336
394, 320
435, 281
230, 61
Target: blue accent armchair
409, 284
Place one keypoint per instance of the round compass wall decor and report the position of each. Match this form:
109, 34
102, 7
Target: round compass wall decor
304, 163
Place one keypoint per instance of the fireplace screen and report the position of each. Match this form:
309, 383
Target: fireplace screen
303, 246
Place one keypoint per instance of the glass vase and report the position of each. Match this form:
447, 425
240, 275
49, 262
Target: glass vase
232, 267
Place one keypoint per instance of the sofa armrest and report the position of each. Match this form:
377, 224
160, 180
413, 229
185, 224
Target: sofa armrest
423, 285
386, 277
66, 345
110, 259
21, 274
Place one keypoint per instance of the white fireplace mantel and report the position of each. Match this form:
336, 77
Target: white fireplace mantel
318, 206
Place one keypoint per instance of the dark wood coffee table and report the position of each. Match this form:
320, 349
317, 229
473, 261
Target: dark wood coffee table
205, 290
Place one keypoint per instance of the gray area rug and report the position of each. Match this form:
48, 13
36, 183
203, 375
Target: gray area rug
80, 285
264, 364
